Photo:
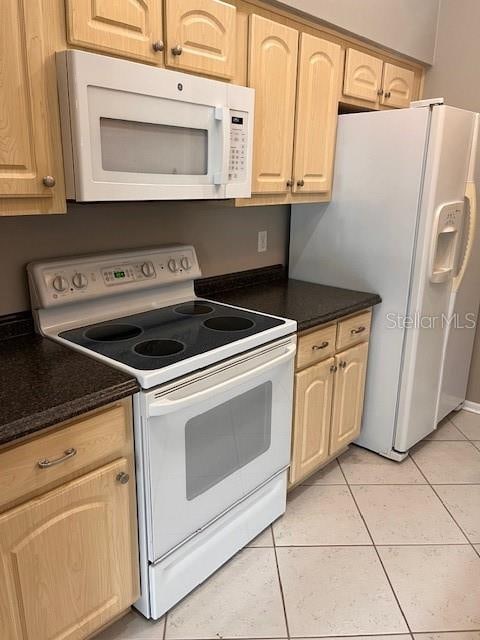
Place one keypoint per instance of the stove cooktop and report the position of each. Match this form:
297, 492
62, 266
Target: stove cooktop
162, 337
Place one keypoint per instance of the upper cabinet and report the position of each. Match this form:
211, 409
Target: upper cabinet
296, 100
375, 82
200, 36
130, 28
272, 72
29, 133
397, 86
362, 76
316, 114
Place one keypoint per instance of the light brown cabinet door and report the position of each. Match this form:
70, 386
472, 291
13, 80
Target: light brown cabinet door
272, 72
363, 76
316, 114
127, 28
348, 400
68, 559
201, 36
397, 86
26, 153
311, 424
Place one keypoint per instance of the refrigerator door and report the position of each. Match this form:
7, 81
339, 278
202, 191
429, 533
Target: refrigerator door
446, 173
364, 239
464, 304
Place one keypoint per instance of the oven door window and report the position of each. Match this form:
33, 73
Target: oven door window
147, 147
226, 438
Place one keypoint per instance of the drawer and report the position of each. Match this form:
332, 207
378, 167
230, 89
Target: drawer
51, 458
353, 330
316, 346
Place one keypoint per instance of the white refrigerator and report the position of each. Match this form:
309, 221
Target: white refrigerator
399, 224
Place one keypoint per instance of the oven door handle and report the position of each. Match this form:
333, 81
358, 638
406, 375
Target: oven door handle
164, 406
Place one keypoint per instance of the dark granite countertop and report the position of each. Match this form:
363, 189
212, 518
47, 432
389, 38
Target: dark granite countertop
270, 291
43, 383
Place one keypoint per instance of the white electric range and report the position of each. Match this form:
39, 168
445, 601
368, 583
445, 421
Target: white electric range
213, 418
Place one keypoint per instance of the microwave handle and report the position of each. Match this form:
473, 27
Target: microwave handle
222, 117
165, 406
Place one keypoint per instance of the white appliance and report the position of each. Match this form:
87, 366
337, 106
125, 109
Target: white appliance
213, 418
464, 303
394, 226
134, 132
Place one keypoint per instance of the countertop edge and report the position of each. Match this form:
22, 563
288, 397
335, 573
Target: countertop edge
340, 313
61, 413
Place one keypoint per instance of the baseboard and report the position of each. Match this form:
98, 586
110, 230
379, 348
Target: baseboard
473, 407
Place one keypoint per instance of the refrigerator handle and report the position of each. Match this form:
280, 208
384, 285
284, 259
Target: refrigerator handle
471, 198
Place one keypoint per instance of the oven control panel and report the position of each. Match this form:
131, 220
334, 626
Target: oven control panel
238, 146
75, 279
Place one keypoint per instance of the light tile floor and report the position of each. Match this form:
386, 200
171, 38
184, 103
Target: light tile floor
368, 548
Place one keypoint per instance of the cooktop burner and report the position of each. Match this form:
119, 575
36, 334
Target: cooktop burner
156, 348
113, 332
194, 308
229, 323
161, 337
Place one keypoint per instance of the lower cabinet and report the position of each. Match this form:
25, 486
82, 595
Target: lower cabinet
351, 368
313, 407
68, 558
328, 400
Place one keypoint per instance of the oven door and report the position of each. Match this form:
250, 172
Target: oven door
214, 441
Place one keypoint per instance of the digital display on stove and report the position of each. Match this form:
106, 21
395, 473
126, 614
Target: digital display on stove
119, 274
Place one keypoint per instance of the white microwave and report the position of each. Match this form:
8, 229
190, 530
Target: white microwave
134, 132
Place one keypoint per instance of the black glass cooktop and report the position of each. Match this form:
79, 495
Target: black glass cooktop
158, 338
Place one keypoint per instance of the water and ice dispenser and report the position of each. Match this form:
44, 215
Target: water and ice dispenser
445, 241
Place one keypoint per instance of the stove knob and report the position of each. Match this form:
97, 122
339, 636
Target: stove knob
147, 269
186, 264
172, 265
60, 283
79, 281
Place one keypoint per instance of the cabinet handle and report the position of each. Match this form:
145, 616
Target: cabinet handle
380, 92
333, 368
290, 183
158, 45
49, 181
300, 183
123, 477
322, 345
357, 330
342, 364
177, 50
388, 94
67, 454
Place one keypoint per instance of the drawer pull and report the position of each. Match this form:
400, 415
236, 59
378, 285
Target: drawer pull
322, 345
357, 330
68, 453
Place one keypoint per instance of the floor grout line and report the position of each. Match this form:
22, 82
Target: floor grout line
280, 583
165, 626
378, 554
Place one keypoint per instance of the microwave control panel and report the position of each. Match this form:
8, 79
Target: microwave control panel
238, 146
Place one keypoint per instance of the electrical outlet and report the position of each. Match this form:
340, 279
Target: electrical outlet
262, 241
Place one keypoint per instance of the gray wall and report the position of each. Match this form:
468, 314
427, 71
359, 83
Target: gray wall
456, 76
225, 237
406, 26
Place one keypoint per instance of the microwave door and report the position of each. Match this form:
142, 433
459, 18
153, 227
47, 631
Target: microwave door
146, 147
